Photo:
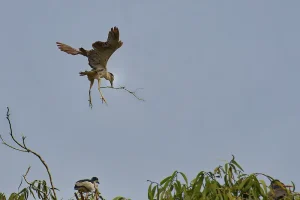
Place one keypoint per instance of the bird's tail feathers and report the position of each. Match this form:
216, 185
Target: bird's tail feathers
68, 49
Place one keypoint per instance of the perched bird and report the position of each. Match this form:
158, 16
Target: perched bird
97, 58
278, 190
87, 185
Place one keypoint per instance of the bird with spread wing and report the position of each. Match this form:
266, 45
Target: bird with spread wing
97, 58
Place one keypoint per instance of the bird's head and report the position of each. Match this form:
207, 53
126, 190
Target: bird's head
111, 79
95, 179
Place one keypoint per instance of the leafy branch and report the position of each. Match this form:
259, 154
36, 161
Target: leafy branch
41, 188
23, 148
225, 182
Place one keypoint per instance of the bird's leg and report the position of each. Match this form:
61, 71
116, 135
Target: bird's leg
76, 196
90, 98
97, 193
102, 97
81, 195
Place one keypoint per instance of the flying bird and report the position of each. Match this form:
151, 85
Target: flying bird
87, 185
97, 58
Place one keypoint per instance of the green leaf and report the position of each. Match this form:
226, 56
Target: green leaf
199, 174
165, 180
248, 185
39, 189
119, 198
13, 196
171, 187
222, 169
166, 185
293, 186
184, 177
233, 167
226, 168
226, 180
230, 176
149, 192
229, 196
198, 183
232, 158
20, 197
161, 195
264, 186
196, 191
225, 197
236, 164
174, 175
213, 187
52, 197
177, 185
2, 196
186, 196
26, 194
244, 182
153, 191
30, 190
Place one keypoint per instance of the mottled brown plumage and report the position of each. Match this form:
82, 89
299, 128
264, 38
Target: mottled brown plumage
278, 190
97, 58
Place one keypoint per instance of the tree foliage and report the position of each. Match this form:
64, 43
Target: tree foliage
226, 182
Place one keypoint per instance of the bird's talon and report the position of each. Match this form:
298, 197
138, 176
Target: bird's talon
103, 100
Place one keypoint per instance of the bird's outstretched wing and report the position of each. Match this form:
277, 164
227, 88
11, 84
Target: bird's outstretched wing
70, 50
106, 49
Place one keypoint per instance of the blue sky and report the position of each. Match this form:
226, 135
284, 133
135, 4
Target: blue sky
219, 78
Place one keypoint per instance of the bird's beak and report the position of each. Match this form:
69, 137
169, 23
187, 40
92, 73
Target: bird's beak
111, 84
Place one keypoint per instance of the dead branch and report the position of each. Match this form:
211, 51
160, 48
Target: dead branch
117, 88
130, 92
24, 148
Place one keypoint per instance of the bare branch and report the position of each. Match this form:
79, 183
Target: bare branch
3, 142
124, 88
48, 171
27, 171
10, 128
23, 141
20, 184
117, 88
24, 148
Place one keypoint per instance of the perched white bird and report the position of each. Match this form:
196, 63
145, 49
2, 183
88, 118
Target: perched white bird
87, 185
